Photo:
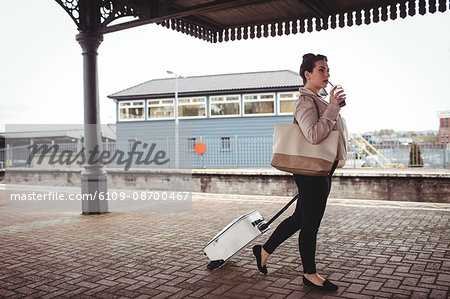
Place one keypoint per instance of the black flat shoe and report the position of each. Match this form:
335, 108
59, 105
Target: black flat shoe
257, 253
327, 285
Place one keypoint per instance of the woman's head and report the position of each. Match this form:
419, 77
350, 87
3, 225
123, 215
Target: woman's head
309, 63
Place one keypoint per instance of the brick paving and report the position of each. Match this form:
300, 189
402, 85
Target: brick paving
371, 249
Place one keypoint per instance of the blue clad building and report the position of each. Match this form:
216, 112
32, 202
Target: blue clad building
233, 114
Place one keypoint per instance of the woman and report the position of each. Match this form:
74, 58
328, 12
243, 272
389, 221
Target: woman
316, 119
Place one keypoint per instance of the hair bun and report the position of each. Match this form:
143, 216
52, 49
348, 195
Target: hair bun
308, 56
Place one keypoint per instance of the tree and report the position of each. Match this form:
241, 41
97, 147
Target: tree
383, 132
415, 156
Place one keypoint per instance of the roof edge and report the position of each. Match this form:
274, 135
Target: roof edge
111, 96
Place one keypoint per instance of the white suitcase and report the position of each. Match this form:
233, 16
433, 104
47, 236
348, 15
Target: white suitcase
237, 235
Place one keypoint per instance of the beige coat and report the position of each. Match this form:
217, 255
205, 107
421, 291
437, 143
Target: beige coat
316, 129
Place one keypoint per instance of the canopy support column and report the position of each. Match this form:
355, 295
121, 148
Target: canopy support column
93, 176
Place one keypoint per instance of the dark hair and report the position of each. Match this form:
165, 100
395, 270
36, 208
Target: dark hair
308, 63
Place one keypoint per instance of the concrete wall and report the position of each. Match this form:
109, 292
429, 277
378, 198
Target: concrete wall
423, 185
419, 189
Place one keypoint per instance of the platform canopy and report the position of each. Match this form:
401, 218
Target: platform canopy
219, 20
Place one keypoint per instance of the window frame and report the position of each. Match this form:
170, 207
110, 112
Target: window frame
191, 141
224, 101
161, 118
279, 100
131, 119
244, 101
130, 143
187, 104
225, 141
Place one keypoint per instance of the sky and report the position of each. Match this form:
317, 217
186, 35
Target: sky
395, 73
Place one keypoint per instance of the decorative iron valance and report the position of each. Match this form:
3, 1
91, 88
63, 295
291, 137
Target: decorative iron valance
218, 20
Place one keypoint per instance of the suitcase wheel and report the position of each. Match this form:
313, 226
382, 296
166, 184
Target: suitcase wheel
215, 264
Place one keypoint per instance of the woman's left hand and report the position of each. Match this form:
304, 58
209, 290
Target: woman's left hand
337, 96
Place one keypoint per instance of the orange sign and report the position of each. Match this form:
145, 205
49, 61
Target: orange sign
200, 148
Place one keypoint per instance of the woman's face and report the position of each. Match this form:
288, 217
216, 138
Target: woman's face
319, 76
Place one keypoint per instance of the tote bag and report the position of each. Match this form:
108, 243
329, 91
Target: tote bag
293, 153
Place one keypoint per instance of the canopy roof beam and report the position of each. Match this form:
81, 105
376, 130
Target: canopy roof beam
176, 12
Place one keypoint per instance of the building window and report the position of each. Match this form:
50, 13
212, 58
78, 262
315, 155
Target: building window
225, 105
131, 143
192, 107
160, 109
286, 102
259, 104
226, 143
191, 143
131, 110
446, 122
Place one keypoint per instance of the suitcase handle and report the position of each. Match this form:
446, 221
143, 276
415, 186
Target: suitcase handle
263, 226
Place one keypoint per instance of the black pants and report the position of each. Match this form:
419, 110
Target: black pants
313, 191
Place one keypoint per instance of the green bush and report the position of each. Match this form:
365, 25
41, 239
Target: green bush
415, 156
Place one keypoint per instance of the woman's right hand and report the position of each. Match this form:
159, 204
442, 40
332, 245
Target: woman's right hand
337, 96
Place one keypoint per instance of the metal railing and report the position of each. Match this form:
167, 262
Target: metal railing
239, 151
398, 152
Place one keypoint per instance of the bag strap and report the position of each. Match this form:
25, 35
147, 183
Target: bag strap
317, 108
265, 225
